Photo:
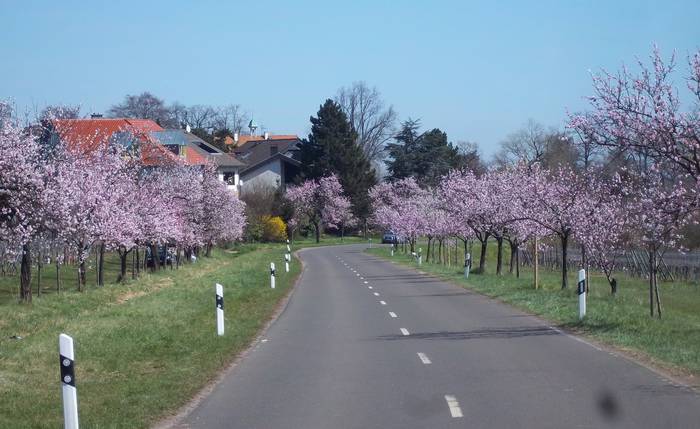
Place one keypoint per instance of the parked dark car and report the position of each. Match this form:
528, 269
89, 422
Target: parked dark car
165, 256
389, 237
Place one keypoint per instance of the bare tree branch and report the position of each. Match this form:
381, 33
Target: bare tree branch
373, 122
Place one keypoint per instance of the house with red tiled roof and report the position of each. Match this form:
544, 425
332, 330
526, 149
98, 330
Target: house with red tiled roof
156, 146
90, 134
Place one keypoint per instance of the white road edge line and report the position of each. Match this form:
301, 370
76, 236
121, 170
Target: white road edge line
382, 302
423, 358
455, 411
392, 314
575, 338
405, 331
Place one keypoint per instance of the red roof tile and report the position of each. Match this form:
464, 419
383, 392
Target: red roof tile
247, 138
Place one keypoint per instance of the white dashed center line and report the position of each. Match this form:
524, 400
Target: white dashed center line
382, 302
405, 331
455, 411
366, 282
423, 358
392, 314
376, 294
369, 287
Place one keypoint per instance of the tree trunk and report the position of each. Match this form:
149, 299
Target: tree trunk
317, 227
564, 260
499, 258
209, 246
482, 256
25, 282
122, 265
155, 257
427, 256
652, 279
81, 267
465, 248
58, 276
658, 298
612, 282
516, 249
81, 274
138, 262
101, 266
536, 261
511, 266
39, 265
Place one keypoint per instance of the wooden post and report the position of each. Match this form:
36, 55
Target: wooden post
537, 272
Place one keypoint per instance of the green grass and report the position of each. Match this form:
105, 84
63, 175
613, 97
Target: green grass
622, 321
143, 349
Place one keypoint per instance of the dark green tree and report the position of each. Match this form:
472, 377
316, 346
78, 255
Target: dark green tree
331, 148
427, 156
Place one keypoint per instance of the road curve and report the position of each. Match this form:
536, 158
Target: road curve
367, 344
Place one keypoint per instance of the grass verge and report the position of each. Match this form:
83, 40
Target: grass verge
622, 321
143, 349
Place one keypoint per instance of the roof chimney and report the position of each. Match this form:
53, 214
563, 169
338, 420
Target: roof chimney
267, 135
96, 115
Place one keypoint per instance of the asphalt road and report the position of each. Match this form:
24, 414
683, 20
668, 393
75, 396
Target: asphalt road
367, 344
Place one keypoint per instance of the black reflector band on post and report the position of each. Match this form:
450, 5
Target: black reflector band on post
67, 371
272, 272
219, 302
581, 287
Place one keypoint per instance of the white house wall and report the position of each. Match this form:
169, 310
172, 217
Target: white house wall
269, 174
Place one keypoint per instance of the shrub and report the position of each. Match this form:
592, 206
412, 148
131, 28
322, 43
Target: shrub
274, 228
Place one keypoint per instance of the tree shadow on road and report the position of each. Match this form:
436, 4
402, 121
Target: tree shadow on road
513, 332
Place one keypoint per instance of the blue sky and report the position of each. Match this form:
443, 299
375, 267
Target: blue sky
477, 70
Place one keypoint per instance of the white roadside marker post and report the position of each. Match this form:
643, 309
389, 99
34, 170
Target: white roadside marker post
370, 243
70, 394
420, 256
581, 290
272, 275
219, 310
467, 264
287, 257
392, 249
289, 249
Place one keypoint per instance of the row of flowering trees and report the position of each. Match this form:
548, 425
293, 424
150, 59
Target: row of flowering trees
518, 204
105, 199
650, 195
